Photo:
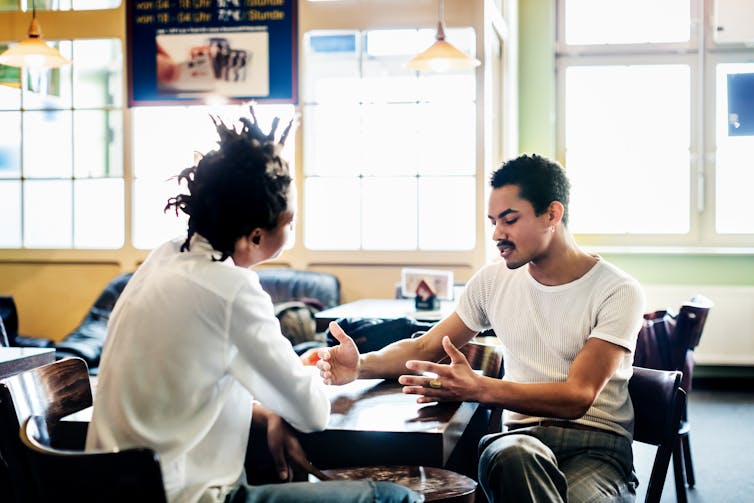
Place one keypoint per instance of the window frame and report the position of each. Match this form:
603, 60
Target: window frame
701, 53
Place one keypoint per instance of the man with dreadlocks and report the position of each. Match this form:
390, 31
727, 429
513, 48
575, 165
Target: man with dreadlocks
194, 345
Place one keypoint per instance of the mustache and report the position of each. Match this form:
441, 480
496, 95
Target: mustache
505, 242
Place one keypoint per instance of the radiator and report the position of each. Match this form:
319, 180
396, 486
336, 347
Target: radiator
728, 337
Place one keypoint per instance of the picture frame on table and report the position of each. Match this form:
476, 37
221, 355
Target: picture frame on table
441, 282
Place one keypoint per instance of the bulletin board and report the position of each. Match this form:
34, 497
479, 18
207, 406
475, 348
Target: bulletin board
194, 51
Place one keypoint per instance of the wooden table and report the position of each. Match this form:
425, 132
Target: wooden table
386, 309
372, 423
14, 360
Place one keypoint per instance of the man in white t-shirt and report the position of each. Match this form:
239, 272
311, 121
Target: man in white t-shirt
567, 321
194, 348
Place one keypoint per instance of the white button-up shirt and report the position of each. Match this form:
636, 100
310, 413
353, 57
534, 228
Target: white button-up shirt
190, 343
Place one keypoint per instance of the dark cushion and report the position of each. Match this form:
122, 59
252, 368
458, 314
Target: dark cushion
87, 339
285, 285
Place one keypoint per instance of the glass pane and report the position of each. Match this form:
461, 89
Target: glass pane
10, 214
447, 219
735, 148
333, 139
626, 22
95, 4
456, 88
98, 214
165, 140
98, 150
628, 133
390, 141
97, 73
47, 214
447, 138
332, 213
10, 144
47, 144
151, 224
12, 5
389, 207
402, 42
331, 63
49, 88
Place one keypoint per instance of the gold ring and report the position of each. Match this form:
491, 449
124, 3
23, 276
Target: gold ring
435, 384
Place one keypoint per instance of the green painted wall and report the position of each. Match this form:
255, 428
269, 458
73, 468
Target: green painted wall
536, 81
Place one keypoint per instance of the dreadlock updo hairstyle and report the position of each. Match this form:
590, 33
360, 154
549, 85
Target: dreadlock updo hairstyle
241, 186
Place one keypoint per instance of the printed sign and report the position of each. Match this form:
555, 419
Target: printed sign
190, 51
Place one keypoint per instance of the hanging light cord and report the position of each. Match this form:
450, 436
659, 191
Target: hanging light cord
34, 29
440, 35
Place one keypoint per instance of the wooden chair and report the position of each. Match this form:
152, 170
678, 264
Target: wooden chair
114, 476
667, 342
3, 335
51, 392
658, 401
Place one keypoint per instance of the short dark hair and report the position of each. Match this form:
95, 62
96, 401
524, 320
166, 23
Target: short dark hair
241, 186
540, 181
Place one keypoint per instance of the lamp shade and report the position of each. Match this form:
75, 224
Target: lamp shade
442, 56
33, 52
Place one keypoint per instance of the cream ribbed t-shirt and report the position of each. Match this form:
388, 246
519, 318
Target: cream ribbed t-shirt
543, 328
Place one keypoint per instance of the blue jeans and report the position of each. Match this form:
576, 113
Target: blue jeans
334, 491
555, 464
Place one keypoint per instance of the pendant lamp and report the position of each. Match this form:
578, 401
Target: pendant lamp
34, 51
442, 56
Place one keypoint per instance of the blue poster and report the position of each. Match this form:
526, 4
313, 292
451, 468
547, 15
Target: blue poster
193, 51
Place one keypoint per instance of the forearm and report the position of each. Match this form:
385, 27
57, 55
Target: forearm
570, 399
261, 415
390, 361
562, 400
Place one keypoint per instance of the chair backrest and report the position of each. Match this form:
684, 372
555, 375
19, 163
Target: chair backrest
690, 323
3, 335
658, 402
117, 476
9, 317
284, 285
51, 392
486, 358
666, 341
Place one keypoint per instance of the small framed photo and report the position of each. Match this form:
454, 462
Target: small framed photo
440, 282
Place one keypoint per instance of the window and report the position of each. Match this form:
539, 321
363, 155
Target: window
653, 122
61, 153
389, 154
